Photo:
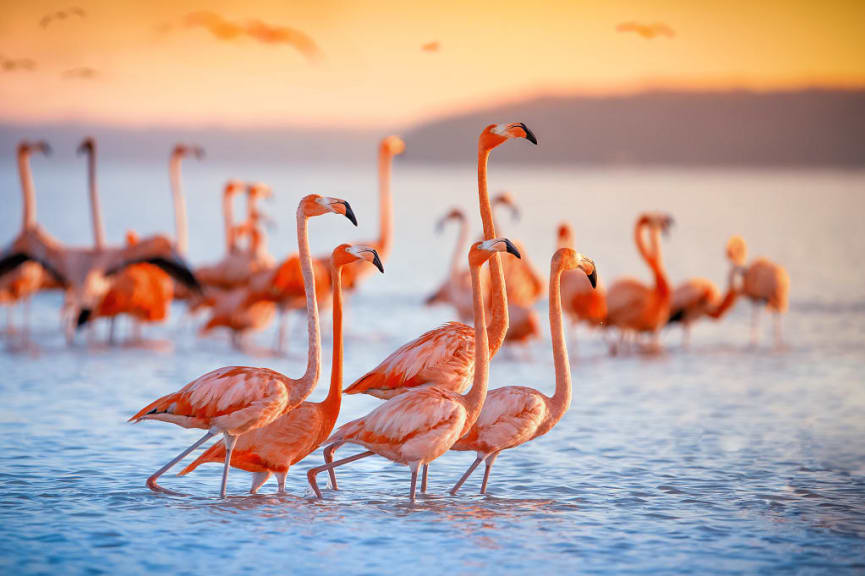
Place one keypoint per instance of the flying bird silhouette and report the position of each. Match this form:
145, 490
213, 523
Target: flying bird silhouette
82, 72
257, 30
16, 64
431, 47
62, 15
648, 31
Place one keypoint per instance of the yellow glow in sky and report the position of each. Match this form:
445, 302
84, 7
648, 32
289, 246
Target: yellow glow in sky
150, 68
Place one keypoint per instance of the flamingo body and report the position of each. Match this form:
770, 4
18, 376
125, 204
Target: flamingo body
768, 283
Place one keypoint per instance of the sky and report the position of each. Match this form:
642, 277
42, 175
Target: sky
361, 64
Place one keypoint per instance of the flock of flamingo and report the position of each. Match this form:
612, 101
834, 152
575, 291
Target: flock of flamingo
435, 387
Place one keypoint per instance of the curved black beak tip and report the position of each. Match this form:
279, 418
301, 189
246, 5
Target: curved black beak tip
530, 136
83, 317
593, 278
46, 148
511, 249
377, 261
349, 213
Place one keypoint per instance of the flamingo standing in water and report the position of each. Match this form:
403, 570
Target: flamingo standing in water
633, 306
698, 297
764, 283
421, 424
581, 301
238, 399
274, 448
513, 415
456, 288
445, 357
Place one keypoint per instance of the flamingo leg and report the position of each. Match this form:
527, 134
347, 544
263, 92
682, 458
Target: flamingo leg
489, 464
778, 340
258, 480
280, 481
279, 347
686, 336
230, 441
465, 476
151, 482
328, 459
111, 330
755, 319
424, 479
413, 482
311, 474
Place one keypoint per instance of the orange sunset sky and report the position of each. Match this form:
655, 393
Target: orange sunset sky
362, 64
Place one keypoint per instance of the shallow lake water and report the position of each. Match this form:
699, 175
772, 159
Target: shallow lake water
721, 458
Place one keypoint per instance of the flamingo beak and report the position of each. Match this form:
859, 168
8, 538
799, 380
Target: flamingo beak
377, 261
511, 249
593, 277
530, 136
83, 317
349, 213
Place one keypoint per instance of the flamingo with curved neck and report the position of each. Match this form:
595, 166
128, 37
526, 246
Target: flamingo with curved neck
421, 424
286, 441
580, 301
513, 415
255, 397
457, 282
765, 284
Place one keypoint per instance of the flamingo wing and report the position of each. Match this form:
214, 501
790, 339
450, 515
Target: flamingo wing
511, 416
444, 356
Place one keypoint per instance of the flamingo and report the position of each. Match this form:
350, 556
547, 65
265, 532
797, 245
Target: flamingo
698, 297
764, 283
238, 399
456, 288
274, 448
581, 301
513, 415
216, 275
418, 426
631, 305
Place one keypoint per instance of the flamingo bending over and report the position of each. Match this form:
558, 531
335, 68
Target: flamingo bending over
238, 399
513, 415
633, 306
274, 448
764, 283
421, 424
581, 301
698, 297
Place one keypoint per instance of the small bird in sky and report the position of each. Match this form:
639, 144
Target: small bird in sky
647, 31
431, 47
62, 15
16, 64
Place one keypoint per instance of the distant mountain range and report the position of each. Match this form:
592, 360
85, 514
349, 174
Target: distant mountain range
797, 128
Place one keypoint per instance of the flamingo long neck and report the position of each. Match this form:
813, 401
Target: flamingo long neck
561, 399
332, 401
499, 307
474, 398
313, 359
730, 296
29, 195
460, 247
228, 216
385, 203
652, 256
180, 227
95, 206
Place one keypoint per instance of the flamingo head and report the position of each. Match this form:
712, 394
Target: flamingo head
233, 186
737, 250
660, 220
27, 148
495, 134
182, 150
87, 146
131, 237
482, 251
347, 253
392, 145
452, 214
315, 205
570, 259
565, 235
505, 198
259, 190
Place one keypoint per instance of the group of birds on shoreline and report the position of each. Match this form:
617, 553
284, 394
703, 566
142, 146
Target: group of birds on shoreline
435, 387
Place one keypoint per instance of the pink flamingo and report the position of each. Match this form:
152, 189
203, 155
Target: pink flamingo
513, 415
765, 284
237, 399
580, 301
421, 424
274, 448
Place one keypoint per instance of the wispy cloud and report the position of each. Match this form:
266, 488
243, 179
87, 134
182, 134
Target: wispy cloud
60, 15
81, 73
648, 31
17, 64
431, 46
257, 30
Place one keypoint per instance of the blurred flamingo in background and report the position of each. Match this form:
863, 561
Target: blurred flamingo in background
456, 288
230, 271
764, 283
418, 426
633, 307
698, 297
235, 400
445, 357
274, 448
513, 415
580, 301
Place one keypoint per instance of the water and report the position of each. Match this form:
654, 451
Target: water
719, 459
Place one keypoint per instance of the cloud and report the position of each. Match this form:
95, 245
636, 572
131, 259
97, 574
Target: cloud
81, 73
17, 64
431, 46
648, 31
228, 30
62, 15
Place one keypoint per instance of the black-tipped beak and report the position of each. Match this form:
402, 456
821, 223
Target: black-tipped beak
511, 249
530, 136
349, 213
83, 317
45, 147
377, 261
593, 278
